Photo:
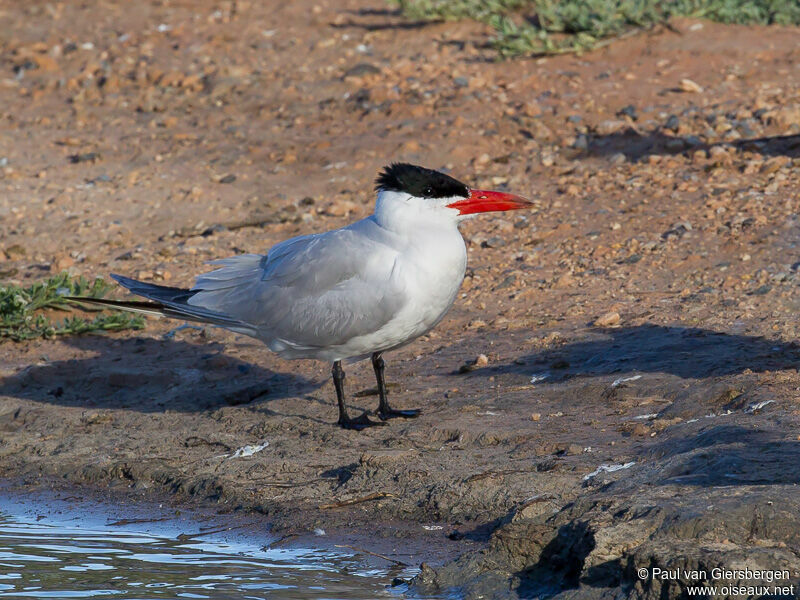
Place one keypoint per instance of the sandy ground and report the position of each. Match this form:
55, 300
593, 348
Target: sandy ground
643, 315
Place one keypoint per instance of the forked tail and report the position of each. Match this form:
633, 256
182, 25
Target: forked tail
168, 302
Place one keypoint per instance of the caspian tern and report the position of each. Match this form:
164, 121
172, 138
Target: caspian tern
347, 294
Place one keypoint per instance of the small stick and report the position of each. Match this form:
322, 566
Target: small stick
374, 496
362, 550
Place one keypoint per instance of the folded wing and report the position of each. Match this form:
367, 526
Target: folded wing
309, 292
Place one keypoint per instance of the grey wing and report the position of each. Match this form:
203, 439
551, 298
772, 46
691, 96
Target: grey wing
311, 291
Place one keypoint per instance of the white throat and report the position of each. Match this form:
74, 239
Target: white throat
399, 212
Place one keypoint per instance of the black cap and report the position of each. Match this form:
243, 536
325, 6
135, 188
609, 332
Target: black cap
419, 182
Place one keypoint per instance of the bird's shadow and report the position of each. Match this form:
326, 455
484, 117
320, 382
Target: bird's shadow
151, 375
688, 352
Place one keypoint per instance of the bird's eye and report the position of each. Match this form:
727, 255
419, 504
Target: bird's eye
428, 191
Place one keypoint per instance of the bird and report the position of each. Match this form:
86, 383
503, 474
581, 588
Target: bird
347, 294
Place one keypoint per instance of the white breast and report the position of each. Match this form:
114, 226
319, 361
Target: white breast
431, 271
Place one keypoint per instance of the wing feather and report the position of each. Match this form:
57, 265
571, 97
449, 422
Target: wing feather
312, 291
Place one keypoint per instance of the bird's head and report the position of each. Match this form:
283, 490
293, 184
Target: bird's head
408, 193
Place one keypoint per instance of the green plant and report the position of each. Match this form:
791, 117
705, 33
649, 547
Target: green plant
22, 315
540, 27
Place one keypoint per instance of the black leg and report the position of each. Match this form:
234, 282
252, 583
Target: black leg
384, 410
345, 421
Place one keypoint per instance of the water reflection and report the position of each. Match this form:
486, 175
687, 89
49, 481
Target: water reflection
67, 557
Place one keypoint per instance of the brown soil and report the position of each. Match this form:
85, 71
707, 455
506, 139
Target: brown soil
655, 284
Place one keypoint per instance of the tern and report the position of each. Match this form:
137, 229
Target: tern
348, 294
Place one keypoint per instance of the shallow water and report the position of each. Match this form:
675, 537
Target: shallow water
68, 553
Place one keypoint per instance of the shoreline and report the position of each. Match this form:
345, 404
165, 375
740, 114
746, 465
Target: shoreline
396, 546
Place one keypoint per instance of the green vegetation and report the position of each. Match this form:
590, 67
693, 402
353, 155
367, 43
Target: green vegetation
21, 316
540, 27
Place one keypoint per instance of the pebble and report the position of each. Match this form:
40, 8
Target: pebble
531, 109
610, 127
618, 158
629, 111
675, 144
581, 142
479, 362
673, 123
15, 251
483, 159
565, 281
573, 450
62, 262
717, 152
84, 157
362, 69
610, 319
496, 241
687, 85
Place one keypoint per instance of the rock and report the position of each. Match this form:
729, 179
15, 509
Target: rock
775, 164
14, 252
495, 241
610, 319
340, 208
718, 152
610, 127
479, 362
673, 123
62, 262
84, 157
483, 159
618, 158
687, 85
675, 144
784, 116
628, 111
362, 69
581, 142
564, 281
531, 109
45, 62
